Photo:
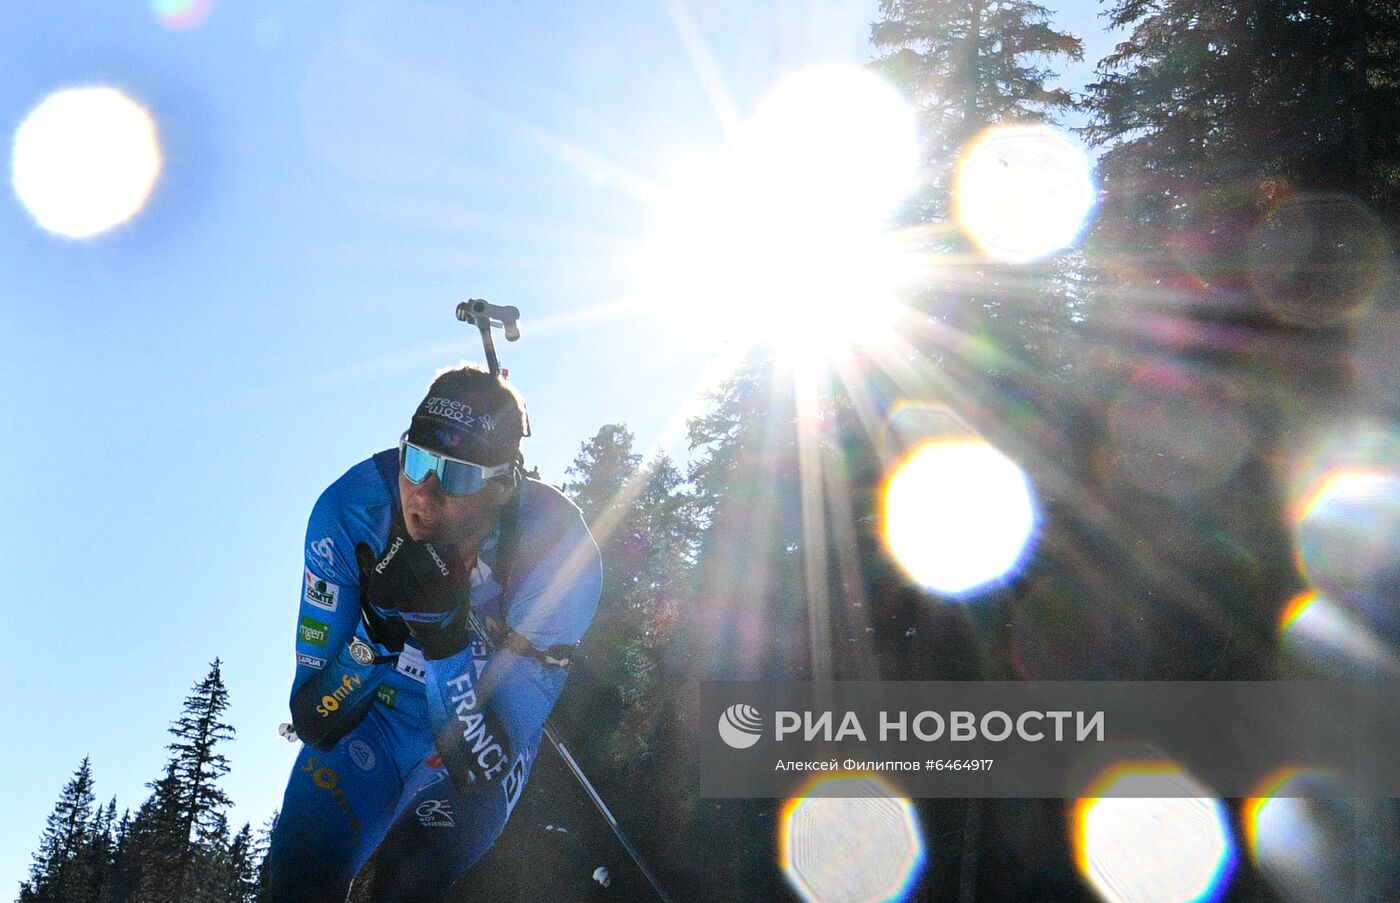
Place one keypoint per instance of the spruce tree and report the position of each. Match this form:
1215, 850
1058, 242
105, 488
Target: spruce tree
242, 873
182, 824
198, 764
1205, 115
614, 709
260, 850
156, 848
601, 471
61, 870
98, 854
120, 881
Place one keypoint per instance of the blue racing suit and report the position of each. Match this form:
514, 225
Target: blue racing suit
425, 758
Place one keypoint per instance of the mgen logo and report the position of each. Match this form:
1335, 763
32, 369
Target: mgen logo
740, 726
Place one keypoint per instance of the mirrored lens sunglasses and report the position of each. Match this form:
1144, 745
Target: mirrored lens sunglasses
455, 476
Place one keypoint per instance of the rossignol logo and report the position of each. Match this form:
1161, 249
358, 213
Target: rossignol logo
313, 631
389, 556
435, 814
740, 726
437, 559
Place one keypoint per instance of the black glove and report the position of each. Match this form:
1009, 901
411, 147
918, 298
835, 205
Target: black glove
389, 632
426, 583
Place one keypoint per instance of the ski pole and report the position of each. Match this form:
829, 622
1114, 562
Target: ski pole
288, 733
484, 315
552, 733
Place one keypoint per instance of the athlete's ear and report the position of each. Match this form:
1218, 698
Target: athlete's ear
497, 494
500, 491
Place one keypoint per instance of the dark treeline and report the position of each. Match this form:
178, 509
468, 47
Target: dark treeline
1150, 381
176, 847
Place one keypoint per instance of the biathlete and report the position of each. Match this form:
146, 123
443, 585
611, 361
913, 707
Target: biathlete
443, 595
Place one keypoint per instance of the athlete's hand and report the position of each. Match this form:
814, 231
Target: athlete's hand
389, 631
425, 582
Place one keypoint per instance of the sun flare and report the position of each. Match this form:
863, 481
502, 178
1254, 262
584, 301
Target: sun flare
85, 161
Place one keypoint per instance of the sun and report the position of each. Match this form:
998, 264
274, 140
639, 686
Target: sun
85, 161
787, 233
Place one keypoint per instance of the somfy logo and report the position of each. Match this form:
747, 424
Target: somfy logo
740, 726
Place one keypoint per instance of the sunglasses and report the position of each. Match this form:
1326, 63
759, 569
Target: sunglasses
456, 477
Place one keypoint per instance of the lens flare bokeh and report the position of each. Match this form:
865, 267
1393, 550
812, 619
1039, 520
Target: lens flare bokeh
1318, 260
1021, 193
958, 515
1146, 849
182, 15
1176, 432
862, 846
1348, 533
85, 161
1314, 843
1321, 638
1209, 240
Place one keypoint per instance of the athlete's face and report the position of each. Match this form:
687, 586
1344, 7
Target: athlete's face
463, 520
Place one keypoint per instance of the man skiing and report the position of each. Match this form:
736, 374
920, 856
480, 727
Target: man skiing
420, 732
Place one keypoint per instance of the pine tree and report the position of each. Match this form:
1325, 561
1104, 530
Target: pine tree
121, 878
98, 855
638, 514
640, 520
156, 848
1206, 119
222, 868
182, 824
197, 763
209, 874
61, 867
242, 874
198, 766
603, 468
604, 486
748, 619
261, 846
967, 65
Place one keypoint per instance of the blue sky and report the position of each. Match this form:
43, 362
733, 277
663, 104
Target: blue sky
179, 390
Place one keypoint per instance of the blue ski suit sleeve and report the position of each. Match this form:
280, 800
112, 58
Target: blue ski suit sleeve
332, 692
487, 728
